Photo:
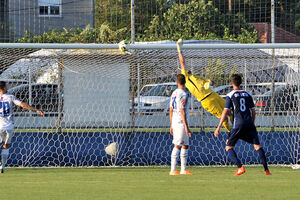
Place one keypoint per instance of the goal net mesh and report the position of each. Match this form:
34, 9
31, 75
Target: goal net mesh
105, 107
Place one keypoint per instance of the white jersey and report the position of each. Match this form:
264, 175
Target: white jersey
6, 111
179, 100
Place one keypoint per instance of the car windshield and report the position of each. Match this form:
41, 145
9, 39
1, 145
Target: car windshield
145, 89
225, 90
161, 90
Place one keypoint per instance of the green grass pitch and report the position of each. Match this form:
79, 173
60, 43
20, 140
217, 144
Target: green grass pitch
149, 183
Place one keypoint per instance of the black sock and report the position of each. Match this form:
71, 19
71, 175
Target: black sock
263, 158
233, 157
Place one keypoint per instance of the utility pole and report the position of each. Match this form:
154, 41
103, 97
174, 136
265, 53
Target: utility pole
273, 20
132, 22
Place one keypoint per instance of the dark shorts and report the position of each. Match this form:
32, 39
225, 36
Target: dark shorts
248, 134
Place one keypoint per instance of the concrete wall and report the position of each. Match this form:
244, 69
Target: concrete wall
94, 94
45, 149
157, 121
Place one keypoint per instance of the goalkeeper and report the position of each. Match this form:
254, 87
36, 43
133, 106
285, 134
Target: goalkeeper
199, 87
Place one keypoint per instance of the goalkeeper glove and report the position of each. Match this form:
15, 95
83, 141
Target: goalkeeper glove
179, 45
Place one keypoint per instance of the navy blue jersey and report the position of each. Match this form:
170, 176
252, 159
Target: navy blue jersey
241, 103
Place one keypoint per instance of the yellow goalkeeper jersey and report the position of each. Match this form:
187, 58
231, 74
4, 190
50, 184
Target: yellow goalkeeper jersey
197, 85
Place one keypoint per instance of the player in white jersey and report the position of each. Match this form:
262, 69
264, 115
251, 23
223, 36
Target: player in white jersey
6, 120
179, 111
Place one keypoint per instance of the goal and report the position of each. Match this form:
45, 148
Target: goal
105, 107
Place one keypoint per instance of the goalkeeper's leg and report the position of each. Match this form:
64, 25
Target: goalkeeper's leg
227, 125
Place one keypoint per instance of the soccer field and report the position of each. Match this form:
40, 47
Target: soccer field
149, 183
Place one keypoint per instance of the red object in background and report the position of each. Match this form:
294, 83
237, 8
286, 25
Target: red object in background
260, 103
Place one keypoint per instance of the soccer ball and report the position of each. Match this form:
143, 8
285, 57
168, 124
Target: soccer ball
112, 149
122, 45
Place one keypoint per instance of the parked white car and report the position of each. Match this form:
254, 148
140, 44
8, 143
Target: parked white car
157, 99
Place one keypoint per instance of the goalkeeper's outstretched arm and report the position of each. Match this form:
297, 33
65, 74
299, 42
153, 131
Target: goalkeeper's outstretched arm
181, 59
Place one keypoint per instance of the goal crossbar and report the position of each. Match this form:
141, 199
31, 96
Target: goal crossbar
149, 46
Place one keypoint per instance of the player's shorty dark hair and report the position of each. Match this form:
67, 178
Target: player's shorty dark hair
2, 85
236, 79
180, 79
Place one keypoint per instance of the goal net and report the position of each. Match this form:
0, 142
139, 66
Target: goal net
105, 107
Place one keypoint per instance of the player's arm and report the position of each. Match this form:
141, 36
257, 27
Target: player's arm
252, 108
223, 118
171, 117
181, 60
183, 116
253, 114
182, 106
28, 107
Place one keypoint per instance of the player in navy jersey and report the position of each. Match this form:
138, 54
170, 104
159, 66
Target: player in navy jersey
243, 109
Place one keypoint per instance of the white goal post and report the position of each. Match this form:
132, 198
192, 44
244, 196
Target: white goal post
96, 96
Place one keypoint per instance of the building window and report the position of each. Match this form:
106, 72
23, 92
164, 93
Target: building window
54, 10
48, 8
43, 10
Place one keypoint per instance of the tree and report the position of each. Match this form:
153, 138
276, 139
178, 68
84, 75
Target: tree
199, 20
102, 34
219, 72
117, 14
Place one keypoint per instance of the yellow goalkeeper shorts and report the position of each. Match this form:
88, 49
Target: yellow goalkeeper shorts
215, 104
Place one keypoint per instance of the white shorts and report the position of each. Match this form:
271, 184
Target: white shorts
6, 136
179, 135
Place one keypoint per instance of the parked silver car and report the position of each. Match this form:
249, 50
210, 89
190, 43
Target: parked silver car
157, 99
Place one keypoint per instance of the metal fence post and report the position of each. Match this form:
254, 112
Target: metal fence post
245, 74
138, 88
273, 64
192, 101
202, 114
60, 95
298, 84
273, 90
30, 88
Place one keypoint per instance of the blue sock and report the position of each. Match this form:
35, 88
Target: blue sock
263, 158
233, 158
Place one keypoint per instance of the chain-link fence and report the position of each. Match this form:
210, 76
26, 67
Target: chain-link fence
94, 96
